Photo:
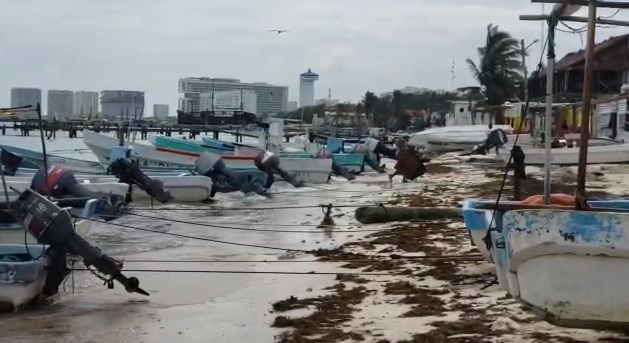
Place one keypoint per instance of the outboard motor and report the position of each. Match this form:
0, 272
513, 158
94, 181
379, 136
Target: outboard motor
10, 162
337, 169
342, 171
58, 182
370, 158
129, 172
378, 148
54, 226
224, 180
269, 163
495, 139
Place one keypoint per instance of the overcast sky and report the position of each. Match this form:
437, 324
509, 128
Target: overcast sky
354, 45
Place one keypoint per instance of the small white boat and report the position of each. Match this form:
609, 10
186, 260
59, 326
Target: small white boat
146, 155
189, 188
21, 183
600, 151
14, 233
453, 138
22, 277
309, 170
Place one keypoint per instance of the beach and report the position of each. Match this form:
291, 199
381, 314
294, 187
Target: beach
263, 270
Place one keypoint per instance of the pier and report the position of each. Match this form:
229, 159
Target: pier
72, 127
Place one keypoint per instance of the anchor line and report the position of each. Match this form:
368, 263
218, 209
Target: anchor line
487, 238
249, 272
379, 258
198, 238
249, 229
247, 208
240, 224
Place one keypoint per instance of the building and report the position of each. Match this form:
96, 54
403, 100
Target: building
85, 104
327, 102
306, 88
292, 106
610, 68
240, 100
60, 104
160, 111
269, 98
25, 97
123, 105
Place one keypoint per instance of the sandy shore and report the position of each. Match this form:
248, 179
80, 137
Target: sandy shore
417, 299
428, 300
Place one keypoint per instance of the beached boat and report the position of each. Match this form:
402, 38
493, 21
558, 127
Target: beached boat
12, 232
453, 138
353, 162
146, 155
600, 151
188, 188
568, 266
22, 274
21, 183
313, 170
33, 159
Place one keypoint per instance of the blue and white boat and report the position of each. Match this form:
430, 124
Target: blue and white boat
569, 267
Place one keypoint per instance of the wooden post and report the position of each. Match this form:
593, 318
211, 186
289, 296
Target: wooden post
587, 101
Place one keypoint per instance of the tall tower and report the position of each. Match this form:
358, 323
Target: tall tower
306, 88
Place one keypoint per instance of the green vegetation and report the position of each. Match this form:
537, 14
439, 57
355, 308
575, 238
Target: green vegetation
386, 111
499, 69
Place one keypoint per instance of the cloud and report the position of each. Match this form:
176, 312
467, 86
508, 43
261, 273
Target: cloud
354, 45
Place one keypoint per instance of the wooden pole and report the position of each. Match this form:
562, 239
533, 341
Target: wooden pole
587, 101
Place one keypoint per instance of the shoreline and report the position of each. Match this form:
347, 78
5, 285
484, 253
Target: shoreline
423, 300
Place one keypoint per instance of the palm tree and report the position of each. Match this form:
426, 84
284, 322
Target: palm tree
499, 69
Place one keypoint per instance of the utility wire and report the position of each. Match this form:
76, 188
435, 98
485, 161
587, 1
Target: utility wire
375, 258
245, 272
248, 229
197, 238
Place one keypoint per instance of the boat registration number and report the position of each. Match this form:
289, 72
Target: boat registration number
303, 175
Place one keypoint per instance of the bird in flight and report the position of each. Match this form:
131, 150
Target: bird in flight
278, 31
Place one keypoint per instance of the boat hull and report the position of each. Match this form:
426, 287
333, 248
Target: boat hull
602, 154
15, 233
146, 155
22, 282
353, 162
190, 188
569, 267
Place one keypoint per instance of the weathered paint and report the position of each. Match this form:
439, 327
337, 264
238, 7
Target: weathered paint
570, 266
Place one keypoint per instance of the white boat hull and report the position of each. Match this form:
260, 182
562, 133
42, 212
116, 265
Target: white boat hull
452, 138
603, 154
146, 155
310, 170
20, 184
570, 267
190, 188
15, 234
22, 282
